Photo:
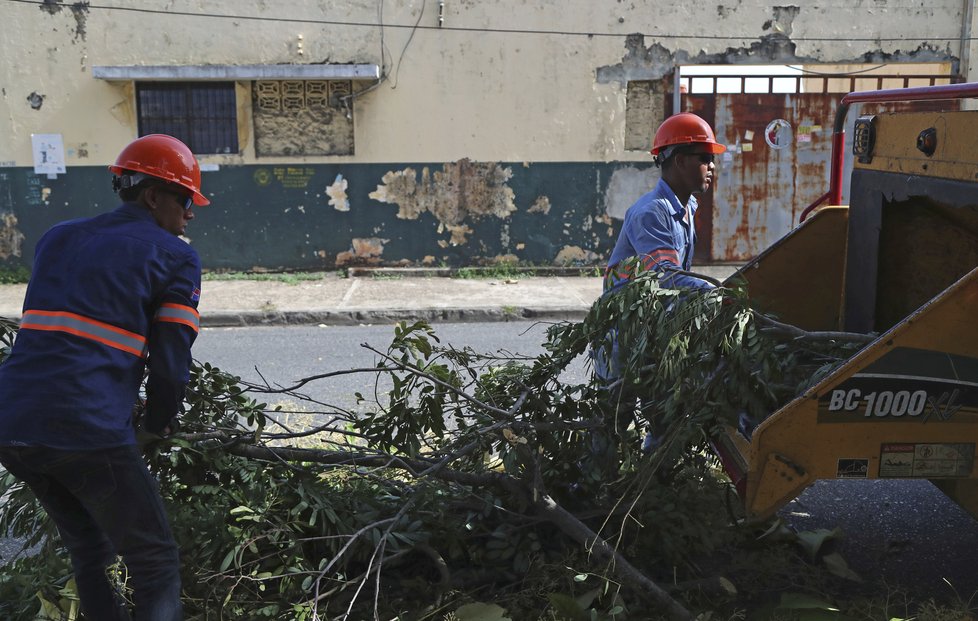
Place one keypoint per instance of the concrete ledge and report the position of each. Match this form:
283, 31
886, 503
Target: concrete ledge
454, 272
354, 317
184, 73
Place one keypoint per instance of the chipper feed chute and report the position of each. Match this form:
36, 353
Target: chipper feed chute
899, 262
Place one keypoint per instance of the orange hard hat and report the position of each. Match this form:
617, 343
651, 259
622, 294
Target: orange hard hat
163, 157
682, 129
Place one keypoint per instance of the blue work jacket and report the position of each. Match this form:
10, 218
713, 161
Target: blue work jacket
108, 296
660, 232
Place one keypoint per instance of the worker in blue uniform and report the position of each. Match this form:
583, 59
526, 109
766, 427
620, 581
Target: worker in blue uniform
109, 297
659, 228
659, 234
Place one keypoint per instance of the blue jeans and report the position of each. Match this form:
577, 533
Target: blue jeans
105, 502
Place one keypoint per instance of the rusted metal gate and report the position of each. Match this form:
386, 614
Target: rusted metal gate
777, 160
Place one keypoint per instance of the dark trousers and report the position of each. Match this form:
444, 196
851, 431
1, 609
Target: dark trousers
105, 502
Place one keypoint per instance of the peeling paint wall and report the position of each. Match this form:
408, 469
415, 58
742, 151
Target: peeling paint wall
459, 191
364, 251
11, 239
288, 217
517, 129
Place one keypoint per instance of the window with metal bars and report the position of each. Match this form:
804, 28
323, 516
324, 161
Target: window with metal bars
201, 114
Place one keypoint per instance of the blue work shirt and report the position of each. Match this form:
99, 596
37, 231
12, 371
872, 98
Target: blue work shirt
108, 296
659, 231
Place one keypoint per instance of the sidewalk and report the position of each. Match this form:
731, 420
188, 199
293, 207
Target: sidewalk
385, 296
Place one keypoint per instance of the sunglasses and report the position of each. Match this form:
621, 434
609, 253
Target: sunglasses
704, 158
187, 201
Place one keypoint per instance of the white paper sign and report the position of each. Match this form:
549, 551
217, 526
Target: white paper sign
49, 153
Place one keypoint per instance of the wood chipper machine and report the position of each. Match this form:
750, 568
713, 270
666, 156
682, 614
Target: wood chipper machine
900, 261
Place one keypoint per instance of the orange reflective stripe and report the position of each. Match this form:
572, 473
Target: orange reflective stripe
85, 327
657, 256
178, 313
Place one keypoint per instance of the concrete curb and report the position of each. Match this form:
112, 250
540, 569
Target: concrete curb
355, 317
479, 272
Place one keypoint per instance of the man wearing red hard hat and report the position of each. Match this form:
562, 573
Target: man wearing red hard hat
659, 232
109, 297
658, 228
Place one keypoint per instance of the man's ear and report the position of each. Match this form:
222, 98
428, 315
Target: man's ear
150, 197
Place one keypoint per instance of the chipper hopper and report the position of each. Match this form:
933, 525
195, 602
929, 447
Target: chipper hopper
900, 261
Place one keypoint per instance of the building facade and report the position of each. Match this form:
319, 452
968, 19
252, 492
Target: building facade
427, 132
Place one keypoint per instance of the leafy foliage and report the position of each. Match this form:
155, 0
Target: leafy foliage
12, 275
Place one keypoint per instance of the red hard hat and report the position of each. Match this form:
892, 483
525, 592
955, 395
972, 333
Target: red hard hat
685, 128
164, 157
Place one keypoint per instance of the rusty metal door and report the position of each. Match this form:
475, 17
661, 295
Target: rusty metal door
777, 162
777, 159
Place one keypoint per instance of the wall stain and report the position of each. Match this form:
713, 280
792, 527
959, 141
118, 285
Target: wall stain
459, 233
541, 205
79, 11
569, 255
11, 239
337, 194
462, 191
784, 18
504, 259
725, 11
36, 100
363, 251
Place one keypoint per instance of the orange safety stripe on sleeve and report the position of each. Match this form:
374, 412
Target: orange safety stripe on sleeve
85, 327
657, 256
178, 313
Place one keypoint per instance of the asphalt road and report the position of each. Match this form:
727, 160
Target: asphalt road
904, 533
280, 356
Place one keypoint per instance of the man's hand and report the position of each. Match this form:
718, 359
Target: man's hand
147, 433
144, 437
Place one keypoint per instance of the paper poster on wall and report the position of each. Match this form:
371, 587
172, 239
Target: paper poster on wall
49, 154
804, 133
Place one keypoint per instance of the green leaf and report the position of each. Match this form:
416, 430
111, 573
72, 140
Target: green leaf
228, 559
585, 600
838, 566
813, 540
480, 611
566, 607
801, 601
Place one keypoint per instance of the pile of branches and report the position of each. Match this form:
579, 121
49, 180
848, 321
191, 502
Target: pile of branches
463, 474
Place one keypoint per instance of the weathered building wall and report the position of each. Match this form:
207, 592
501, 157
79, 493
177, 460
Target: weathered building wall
295, 217
529, 99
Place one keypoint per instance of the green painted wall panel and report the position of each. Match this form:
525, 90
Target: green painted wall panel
279, 217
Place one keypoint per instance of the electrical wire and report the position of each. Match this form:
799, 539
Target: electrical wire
517, 31
397, 67
842, 75
383, 45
